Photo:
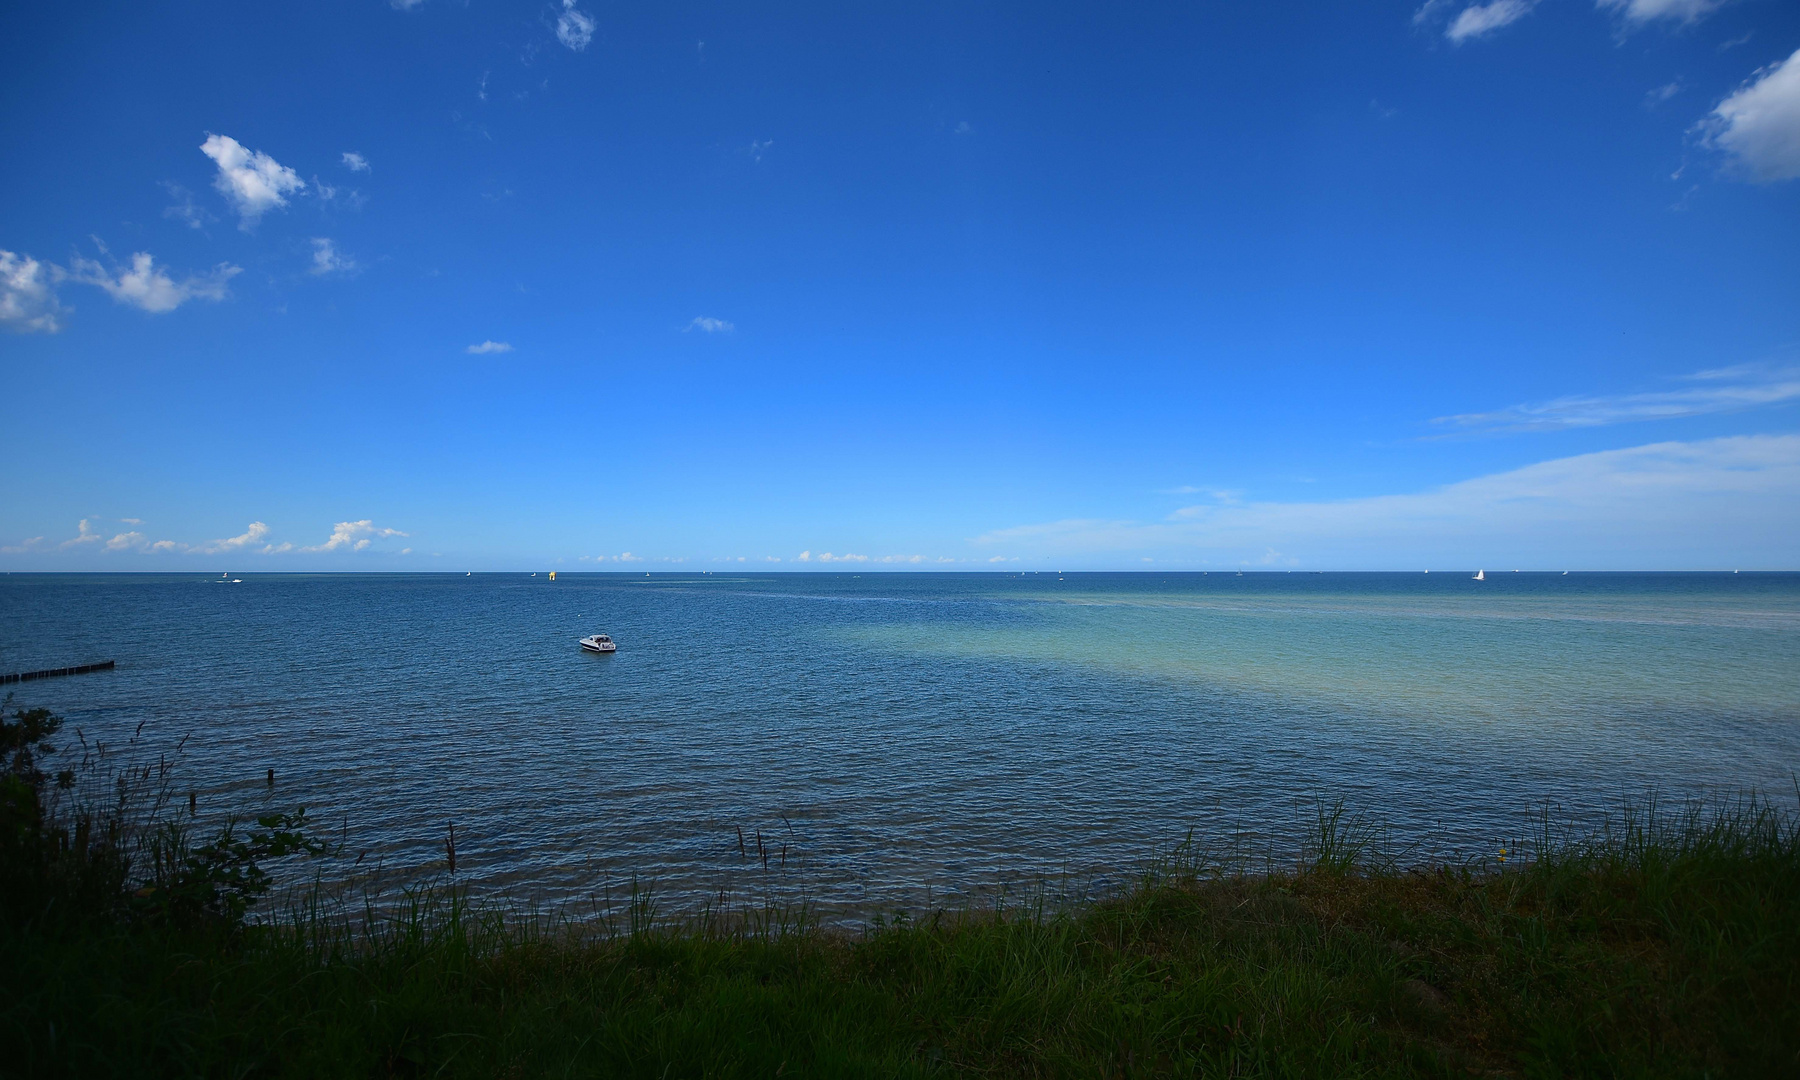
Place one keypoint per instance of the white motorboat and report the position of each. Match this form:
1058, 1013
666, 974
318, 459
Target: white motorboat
598, 643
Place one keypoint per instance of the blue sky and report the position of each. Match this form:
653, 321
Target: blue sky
568, 284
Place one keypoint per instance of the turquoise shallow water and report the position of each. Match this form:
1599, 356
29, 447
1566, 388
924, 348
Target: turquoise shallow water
898, 733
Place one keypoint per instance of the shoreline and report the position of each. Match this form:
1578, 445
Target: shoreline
1667, 942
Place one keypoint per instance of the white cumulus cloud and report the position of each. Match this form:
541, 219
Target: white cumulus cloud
252, 181
84, 534
28, 303
487, 348
1759, 125
355, 162
574, 27
708, 325
355, 535
148, 287
252, 535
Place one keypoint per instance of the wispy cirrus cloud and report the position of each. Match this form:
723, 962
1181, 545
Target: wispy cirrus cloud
251, 181
185, 209
1645, 11
708, 325
574, 27
327, 259
1718, 502
1474, 20
1224, 495
1731, 389
489, 348
1480, 19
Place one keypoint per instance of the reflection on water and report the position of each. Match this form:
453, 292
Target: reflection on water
898, 732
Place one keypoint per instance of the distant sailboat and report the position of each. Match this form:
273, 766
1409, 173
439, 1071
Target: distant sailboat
1481, 575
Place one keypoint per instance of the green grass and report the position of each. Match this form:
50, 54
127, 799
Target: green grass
1666, 945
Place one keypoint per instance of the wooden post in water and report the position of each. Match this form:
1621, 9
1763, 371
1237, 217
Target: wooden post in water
83, 669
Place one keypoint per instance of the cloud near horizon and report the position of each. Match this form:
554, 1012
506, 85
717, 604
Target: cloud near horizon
255, 539
1716, 503
355, 535
256, 533
84, 534
1745, 386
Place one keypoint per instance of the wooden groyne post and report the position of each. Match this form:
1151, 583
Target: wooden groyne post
27, 676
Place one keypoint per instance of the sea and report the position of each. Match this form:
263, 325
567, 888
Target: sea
866, 742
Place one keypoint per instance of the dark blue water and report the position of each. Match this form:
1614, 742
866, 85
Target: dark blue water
902, 732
